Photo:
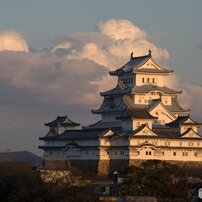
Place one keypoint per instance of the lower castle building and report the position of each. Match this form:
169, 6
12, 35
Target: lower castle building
141, 119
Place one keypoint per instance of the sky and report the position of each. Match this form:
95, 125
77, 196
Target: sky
55, 57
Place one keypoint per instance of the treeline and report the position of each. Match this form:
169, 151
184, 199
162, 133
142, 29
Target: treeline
163, 180
19, 182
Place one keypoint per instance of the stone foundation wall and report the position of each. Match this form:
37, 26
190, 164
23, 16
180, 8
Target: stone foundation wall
118, 165
54, 164
85, 165
107, 167
104, 167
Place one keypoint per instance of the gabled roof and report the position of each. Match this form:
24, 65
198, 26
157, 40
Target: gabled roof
135, 62
108, 105
50, 133
157, 102
182, 120
62, 121
190, 133
136, 113
143, 130
150, 87
107, 133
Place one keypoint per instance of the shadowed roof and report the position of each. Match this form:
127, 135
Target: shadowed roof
62, 121
76, 134
181, 121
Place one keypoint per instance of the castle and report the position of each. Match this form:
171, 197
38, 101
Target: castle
141, 119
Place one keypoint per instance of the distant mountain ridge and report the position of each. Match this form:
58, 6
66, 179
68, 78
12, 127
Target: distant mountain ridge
23, 156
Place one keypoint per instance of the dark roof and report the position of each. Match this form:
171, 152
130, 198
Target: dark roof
180, 121
104, 125
51, 132
151, 87
76, 134
62, 121
134, 110
174, 107
108, 105
166, 133
120, 89
134, 63
137, 113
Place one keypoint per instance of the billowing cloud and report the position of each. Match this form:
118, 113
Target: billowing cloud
52, 79
12, 41
121, 37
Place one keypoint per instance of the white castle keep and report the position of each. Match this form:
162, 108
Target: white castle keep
140, 120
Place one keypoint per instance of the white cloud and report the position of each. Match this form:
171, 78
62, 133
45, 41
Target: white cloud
52, 79
12, 41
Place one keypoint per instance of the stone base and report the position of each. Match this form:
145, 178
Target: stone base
107, 167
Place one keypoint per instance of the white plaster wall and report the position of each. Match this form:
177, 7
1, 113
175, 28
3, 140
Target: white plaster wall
166, 154
153, 79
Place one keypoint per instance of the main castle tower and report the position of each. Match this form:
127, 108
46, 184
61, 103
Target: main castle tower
140, 119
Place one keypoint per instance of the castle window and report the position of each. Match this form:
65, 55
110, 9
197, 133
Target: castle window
140, 100
146, 152
115, 153
184, 153
195, 153
198, 144
174, 153
153, 80
122, 152
142, 80
147, 80
191, 143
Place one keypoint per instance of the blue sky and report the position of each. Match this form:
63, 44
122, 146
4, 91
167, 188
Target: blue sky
175, 26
